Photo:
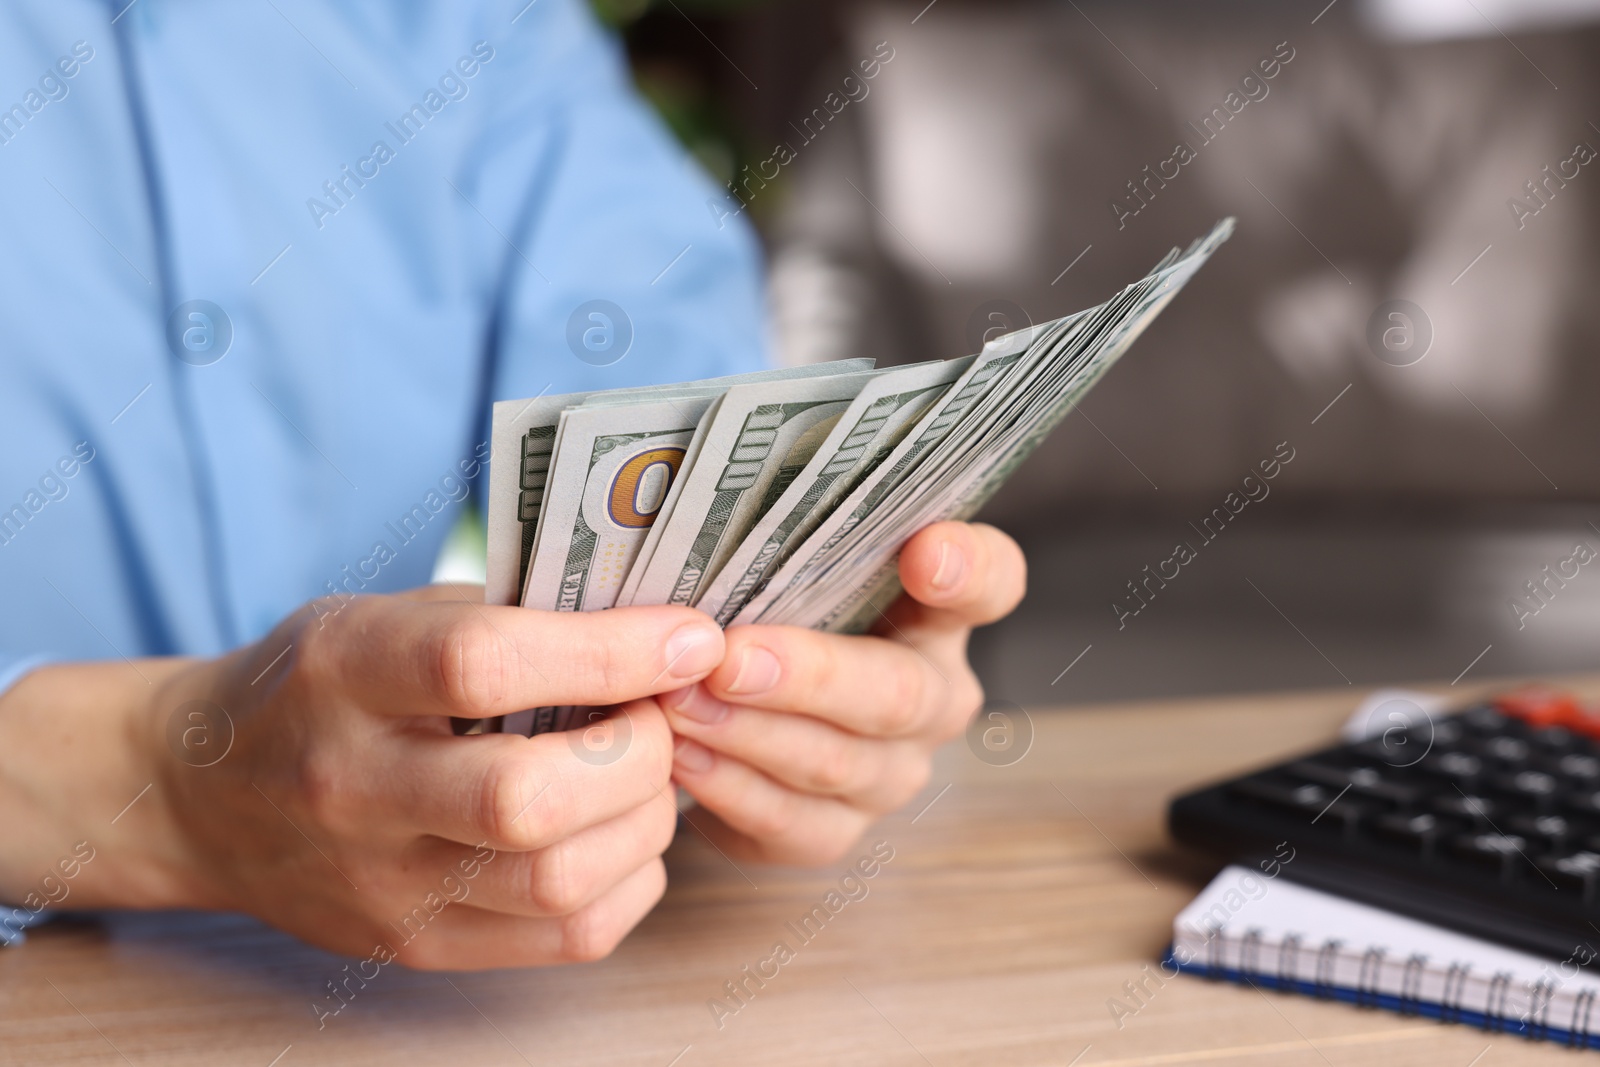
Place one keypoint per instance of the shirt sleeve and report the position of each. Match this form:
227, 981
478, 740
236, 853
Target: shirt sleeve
604, 213
13, 665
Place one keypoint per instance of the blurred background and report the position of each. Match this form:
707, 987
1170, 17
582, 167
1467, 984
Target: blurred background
1408, 308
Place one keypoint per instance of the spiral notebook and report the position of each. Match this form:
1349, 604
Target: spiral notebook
1270, 932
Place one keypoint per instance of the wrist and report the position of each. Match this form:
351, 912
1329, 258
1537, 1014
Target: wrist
87, 824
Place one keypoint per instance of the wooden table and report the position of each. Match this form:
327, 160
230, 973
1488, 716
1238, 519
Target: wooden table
1019, 900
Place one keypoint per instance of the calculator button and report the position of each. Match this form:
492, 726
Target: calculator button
1558, 740
1319, 803
1306, 796
1446, 733
1361, 781
1507, 751
1485, 720
1422, 832
1534, 788
1581, 769
1470, 808
1459, 767
1499, 852
1578, 870
1549, 832
1396, 749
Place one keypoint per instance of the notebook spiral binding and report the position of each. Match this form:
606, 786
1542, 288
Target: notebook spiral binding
1495, 1007
1539, 1009
1327, 956
1288, 961
1455, 987
1250, 954
1578, 1032
1367, 983
1411, 984
1409, 978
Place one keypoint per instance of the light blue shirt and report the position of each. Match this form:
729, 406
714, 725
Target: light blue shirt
382, 215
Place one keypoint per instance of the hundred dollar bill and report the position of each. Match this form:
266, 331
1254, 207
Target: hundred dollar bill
980, 376
861, 436
845, 572
615, 468
758, 439
853, 574
521, 440
647, 551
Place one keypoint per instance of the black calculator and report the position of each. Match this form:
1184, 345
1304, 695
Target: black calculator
1485, 820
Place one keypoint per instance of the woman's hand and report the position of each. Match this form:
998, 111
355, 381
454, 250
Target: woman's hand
800, 739
313, 780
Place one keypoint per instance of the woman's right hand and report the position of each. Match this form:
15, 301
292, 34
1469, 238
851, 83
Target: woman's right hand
313, 779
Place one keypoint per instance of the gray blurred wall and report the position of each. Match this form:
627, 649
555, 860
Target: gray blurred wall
976, 185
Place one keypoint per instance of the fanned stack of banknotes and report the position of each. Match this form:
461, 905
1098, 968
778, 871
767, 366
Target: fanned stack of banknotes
782, 496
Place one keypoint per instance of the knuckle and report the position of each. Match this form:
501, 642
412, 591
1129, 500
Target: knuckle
508, 815
914, 778
834, 768
819, 666
771, 821
905, 690
317, 644
556, 886
609, 666
324, 788
466, 668
651, 745
589, 935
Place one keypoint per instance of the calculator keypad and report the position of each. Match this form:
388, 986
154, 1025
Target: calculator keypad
1510, 790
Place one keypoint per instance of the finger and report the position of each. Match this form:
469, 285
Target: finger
966, 574
782, 826
464, 938
868, 685
804, 753
438, 657
452, 592
567, 876
516, 793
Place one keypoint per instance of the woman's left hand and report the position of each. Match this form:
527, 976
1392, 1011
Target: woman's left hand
800, 739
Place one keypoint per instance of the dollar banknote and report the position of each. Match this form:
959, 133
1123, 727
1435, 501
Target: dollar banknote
613, 472
782, 497
867, 430
522, 439
758, 439
647, 551
953, 461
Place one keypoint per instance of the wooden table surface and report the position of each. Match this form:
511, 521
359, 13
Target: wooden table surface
1019, 900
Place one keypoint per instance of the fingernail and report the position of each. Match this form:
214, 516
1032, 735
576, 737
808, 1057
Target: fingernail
758, 672
700, 706
952, 567
693, 650
692, 756
675, 699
